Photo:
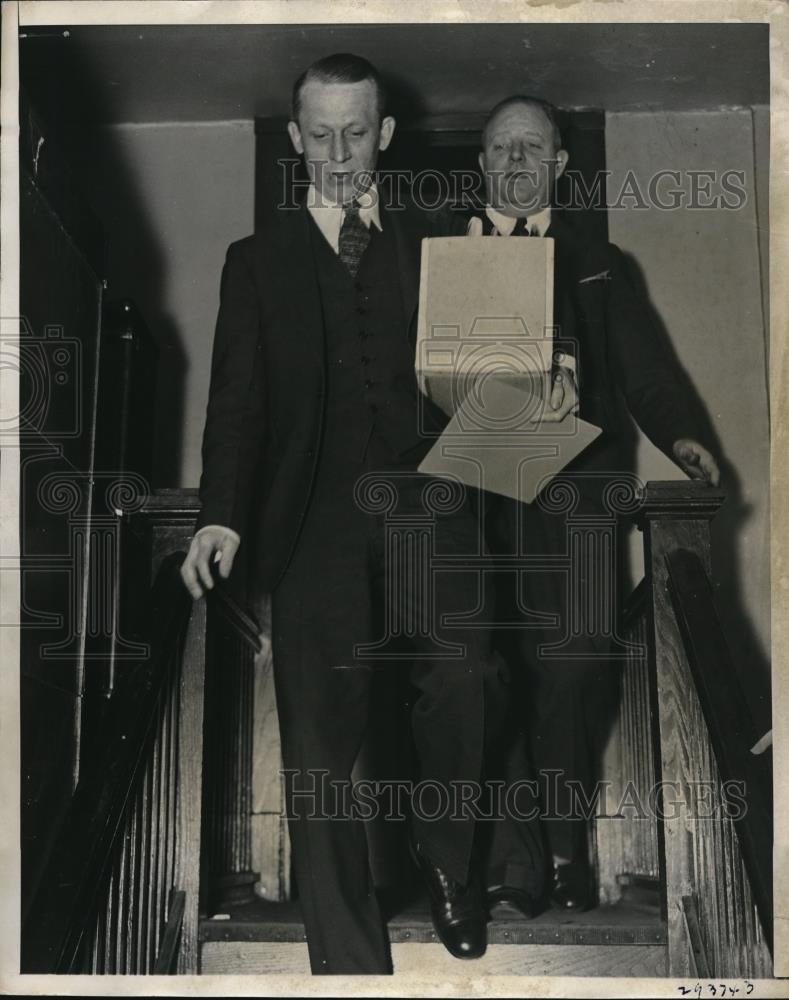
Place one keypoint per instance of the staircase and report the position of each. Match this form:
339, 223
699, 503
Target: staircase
181, 856
675, 897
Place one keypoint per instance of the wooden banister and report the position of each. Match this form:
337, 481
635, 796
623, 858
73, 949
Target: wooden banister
59, 918
236, 618
219, 648
122, 890
726, 714
703, 874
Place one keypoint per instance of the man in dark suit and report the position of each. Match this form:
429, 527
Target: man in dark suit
313, 433
606, 344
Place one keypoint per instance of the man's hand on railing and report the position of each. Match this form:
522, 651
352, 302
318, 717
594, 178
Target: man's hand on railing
696, 461
211, 544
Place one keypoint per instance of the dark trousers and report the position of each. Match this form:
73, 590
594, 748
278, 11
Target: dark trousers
562, 705
339, 591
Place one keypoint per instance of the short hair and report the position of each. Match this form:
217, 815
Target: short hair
342, 67
547, 109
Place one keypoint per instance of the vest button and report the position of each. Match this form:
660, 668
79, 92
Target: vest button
365, 360
369, 383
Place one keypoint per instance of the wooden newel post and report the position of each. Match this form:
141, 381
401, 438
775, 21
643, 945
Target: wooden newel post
215, 713
676, 515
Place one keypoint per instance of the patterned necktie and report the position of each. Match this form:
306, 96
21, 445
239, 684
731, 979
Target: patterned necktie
354, 237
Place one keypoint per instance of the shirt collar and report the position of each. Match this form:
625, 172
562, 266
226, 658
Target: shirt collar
322, 209
506, 223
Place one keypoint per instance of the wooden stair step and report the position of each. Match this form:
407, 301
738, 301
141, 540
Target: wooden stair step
609, 925
268, 938
433, 961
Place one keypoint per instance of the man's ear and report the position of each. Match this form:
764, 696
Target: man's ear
295, 136
562, 156
387, 131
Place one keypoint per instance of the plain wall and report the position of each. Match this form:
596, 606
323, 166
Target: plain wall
704, 276
171, 197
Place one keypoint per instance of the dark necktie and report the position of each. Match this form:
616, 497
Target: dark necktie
354, 237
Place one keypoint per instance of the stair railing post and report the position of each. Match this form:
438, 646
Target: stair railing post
675, 515
190, 786
171, 516
229, 729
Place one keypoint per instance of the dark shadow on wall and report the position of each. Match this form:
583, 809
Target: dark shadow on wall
727, 528
404, 101
74, 106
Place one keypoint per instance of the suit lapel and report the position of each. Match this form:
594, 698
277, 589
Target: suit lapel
292, 282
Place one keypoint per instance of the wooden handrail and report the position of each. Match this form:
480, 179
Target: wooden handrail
727, 717
711, 900
219, 661
58, 917
682, 733
239, 619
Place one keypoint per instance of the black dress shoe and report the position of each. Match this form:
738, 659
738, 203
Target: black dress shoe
572, 886
517, 898
457, 910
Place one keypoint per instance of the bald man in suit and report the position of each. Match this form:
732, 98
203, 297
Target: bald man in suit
608, 352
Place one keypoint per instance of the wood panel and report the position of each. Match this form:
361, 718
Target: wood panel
625, 829
702, 857
270, 839
432, 960
731, 729
190, 784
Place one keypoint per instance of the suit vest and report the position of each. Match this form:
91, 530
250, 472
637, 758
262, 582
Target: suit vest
372, 406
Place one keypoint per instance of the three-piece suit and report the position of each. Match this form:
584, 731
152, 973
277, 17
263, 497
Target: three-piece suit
313, 434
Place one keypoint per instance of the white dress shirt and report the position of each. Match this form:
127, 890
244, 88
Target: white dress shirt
503, 225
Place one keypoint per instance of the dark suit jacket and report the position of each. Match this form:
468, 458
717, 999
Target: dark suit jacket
620, 350
268, 379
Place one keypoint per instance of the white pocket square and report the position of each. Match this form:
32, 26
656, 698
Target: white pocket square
602, 276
